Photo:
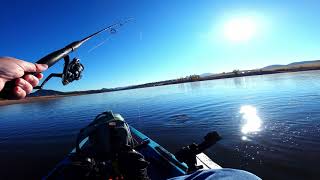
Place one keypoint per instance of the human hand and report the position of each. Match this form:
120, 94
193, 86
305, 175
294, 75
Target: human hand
11, 68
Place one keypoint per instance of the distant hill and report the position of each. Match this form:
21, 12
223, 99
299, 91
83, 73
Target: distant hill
302, 64
44, 92
274, 66
305, 62
206, 74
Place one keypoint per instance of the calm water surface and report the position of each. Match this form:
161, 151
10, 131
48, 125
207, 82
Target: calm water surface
270, 124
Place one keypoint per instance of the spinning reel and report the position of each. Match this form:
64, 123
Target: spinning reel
71, 71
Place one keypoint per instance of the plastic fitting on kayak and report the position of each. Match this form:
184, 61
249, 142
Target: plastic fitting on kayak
188, 153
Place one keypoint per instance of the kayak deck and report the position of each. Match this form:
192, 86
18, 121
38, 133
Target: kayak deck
206, 162
163, 164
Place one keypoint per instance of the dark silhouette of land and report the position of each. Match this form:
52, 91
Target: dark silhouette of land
293, 67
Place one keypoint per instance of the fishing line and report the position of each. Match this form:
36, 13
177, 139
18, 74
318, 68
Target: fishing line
98, 45
110, 30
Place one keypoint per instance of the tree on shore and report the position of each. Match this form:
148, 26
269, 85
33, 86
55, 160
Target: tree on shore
236, 72
194, 77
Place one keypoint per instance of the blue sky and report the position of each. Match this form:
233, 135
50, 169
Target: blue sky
167, 39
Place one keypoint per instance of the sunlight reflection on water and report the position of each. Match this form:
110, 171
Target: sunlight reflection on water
252, 122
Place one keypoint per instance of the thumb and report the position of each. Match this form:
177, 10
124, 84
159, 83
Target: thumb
41, 67
31, 67
2, 82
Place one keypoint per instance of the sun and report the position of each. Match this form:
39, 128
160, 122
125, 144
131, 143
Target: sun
240, 29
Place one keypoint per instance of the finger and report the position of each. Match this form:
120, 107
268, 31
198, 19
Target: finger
41, 67
39, 75
25, 85
31, 79
19, 93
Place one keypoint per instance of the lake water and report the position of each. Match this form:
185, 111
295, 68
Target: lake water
270, 124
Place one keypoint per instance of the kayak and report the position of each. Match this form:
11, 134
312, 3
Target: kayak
163, 164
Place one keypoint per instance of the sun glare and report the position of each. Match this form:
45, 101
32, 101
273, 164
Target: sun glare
240, 29
252, 120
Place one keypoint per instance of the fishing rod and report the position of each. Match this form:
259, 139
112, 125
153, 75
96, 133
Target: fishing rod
72, 69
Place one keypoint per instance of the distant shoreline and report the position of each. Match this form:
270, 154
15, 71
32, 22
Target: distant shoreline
33, 99
238, 73
194, 78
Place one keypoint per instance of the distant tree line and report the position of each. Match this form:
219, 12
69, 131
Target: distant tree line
189, 78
